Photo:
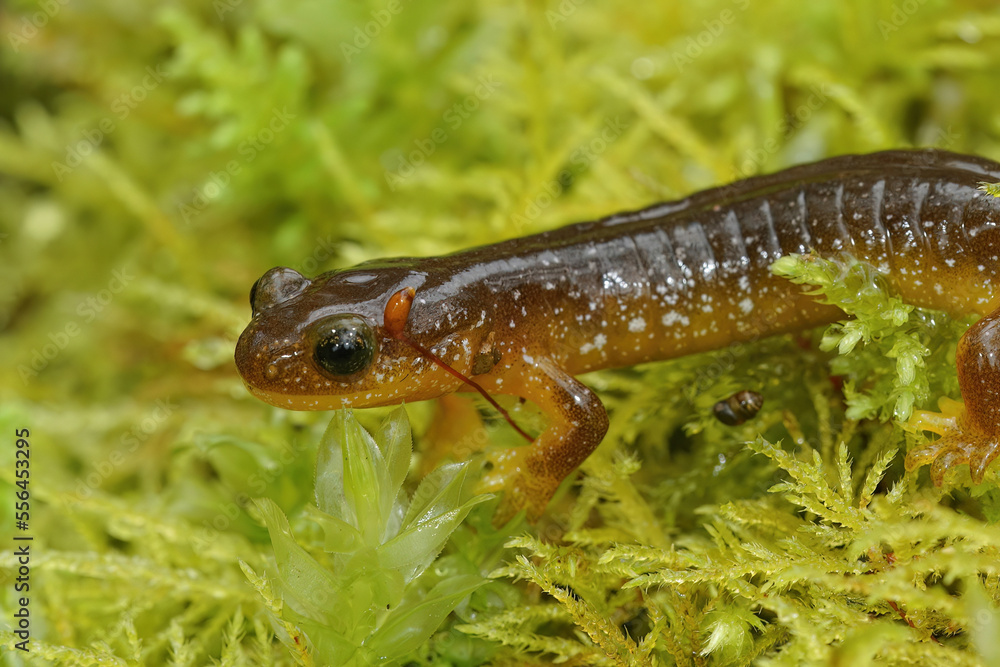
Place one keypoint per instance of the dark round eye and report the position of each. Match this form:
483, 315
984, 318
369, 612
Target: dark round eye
345, 345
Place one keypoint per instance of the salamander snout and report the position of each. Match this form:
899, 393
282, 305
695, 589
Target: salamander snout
276, 286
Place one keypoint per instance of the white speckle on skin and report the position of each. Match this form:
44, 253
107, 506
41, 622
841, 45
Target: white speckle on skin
746, 305
637, 324
673, 317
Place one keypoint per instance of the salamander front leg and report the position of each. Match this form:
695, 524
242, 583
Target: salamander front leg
529, 476
970, 433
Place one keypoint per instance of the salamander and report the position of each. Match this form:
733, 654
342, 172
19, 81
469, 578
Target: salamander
525, 316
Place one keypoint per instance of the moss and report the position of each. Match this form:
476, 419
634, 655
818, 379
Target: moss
156, 160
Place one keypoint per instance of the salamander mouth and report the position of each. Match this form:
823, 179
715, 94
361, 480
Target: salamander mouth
300, 402
311, 402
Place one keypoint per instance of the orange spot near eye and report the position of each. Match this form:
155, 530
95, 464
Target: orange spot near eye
397, 310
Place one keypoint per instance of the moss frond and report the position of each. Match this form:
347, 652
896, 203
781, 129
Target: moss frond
893, 372
992, 189
363, 597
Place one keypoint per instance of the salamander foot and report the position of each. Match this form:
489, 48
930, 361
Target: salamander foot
961, 442
523, 488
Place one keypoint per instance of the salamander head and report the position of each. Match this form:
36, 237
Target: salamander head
322, 344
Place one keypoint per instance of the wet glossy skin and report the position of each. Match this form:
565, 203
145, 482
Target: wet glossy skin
524, 316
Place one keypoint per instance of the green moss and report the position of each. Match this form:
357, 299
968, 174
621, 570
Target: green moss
368, 597
156, 160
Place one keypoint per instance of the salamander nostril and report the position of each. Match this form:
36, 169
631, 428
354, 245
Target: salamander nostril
277, 285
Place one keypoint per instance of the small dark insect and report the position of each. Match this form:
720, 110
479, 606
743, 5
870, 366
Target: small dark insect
738, 408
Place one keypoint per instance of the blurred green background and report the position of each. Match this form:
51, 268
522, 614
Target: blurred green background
157, 158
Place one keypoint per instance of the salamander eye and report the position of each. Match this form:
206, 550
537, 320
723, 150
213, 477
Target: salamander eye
345, 345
